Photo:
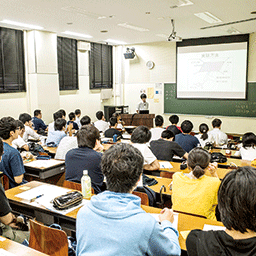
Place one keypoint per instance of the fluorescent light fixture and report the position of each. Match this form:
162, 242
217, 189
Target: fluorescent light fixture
208, 17
19, 24
180, 3
115, 41
125, 25
76, 34
231, 30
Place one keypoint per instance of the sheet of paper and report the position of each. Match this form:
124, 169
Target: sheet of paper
5, 253
43, 163
25, 188
165, 165
2, 239
174, 224
127, 136
213, 227
184, 234
150, 92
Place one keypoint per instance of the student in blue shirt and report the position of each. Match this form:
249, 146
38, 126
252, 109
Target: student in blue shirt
11, 164
38, 122
72, 118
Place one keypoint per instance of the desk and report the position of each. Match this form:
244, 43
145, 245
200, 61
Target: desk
18, 249
161, 181
52, 150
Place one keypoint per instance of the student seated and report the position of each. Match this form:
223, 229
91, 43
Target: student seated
26, 120
56, 115
157, 131
237, 207
114, 219
185, 139
109, 133
85, 158
203, 136
217, 135
11, 164
101, 124
78, 114
72, 117
140, 136
120, 123
165, 148
195, 192
38, 122
174, 119
85, 120
19, 143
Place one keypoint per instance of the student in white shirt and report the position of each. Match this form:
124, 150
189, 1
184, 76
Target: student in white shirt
120, 123
157, 131
19, 142
101, 124
77, 120
203, 136
218, 136
56, 115
143, 105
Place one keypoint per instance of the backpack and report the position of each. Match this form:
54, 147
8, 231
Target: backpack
218, 157
151, 194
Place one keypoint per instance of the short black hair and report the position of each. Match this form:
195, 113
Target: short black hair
85, 120
25, 117
174, 119
186, 126
122, 165
237, 199
141, 135
19, 124
63, 112
113, 121
1, 147
167, 134
87, 136
99, 115
249, 140
116, 114
71, 116
57, 115
216, 123
59, 124
203, 128
37, 112
7, 124
159, 120
198, 161
143, 96
77, 112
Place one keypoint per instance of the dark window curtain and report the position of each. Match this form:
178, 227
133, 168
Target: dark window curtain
101, 66
12, 68
67, 63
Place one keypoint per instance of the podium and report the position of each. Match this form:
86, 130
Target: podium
138, 119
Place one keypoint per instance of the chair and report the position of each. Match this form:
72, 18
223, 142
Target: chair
5, 182
166, 174
74, 185
51, 241
143, 197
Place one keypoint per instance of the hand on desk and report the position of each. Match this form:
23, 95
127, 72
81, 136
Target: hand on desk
166, 214
212, 167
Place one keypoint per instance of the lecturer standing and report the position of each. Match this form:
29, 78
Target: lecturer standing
143, 105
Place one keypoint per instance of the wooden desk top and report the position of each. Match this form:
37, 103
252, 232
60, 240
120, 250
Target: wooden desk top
161, 181
50, 149
55, 161
18, 249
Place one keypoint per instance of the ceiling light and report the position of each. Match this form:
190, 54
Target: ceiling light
208, 17
76, 34
125, 25
231, 30
102, 17
19, 24
180, 3
115, 41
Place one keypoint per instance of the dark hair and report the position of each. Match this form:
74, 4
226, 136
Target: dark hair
237, 199
25, 117
203, 128
143, 96
1, 148
7, 124
63, 112
19, 124
85, 120
186, 126
71, 116
216, 123
57, 115
174, 119
77, 112
59, 124
115, 115
87, 136
99, 115
249, 140
167, 134
198, 160
159, 120
122, 165
113, 121
141, 135
37, 112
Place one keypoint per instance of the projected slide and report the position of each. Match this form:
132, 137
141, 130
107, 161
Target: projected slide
212, 71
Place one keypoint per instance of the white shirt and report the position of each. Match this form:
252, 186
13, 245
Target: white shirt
247, 153
18, 143
156, 133
218, 136
30, 132
203, 142
101, 125
66, 144
51, 127
78, 122
149, 157
142, 106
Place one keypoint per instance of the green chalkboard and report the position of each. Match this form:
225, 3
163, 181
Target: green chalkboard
243, 108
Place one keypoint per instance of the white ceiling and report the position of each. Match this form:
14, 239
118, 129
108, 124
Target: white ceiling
54, 15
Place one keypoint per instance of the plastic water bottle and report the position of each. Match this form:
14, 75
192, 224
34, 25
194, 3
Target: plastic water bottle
115, 138
86, 185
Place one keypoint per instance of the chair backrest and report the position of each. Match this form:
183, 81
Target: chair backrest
143, 197
5, 180
166, 174
51, 241
73, 185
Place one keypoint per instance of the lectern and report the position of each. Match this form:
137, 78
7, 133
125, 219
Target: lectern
138, 119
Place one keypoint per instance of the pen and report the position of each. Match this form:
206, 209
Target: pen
33, 199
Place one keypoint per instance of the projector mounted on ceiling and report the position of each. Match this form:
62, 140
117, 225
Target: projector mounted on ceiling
173, 37
130, 53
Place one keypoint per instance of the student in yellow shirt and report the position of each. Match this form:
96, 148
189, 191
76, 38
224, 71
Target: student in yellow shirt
195, 192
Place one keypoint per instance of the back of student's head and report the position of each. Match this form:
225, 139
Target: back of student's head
237, 199
25, 117
249, 140
115, 115
77, 112
174, 119
159, 120
141, 135
7, 125
87, 136
113, 121
59, 124
19, 124
99, 115
198, 160
71, 116
57, 115
186, 126
122, 166
63, 112
85, 120
216, 123
37, 112
167, 134
203, 128
143, 96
